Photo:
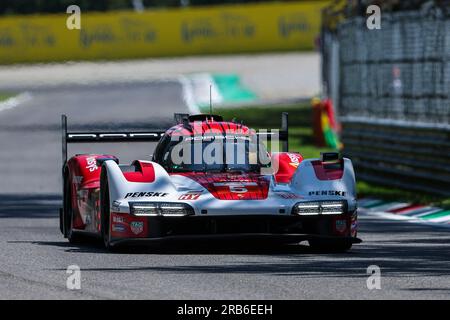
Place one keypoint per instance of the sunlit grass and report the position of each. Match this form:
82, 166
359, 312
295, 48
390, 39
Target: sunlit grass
5, 96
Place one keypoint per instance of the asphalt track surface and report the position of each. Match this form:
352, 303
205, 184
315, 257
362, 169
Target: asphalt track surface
414, 259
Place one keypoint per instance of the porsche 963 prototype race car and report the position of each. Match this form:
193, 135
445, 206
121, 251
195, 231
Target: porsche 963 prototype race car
208, 179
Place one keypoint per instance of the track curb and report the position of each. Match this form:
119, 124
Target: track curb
418, 213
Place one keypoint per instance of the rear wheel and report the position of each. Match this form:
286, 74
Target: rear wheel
330, 246
105, 209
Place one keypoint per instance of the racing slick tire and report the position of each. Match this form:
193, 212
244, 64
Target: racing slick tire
71, 235
105, 209
330, 246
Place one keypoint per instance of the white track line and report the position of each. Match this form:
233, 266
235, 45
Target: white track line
15, 101
188, 95
196, 91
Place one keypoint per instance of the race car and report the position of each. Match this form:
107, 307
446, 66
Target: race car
208, 179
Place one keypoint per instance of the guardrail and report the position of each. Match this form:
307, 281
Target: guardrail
401, 154
397, 72
390, 87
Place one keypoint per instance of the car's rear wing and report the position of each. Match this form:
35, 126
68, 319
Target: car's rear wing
283, 133
149, 136
94, 137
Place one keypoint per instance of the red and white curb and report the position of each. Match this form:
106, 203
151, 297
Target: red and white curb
406, 211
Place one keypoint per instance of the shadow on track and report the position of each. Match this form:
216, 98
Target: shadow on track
395, 259
398, 256
96, 246
400, 249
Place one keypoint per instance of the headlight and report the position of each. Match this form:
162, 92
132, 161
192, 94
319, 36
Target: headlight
319, 207
167, 209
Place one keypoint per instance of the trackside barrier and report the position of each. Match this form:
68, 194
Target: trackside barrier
391, 89
156, 33
405, 155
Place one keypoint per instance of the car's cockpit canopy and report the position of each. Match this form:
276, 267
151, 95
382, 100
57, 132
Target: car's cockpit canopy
213, 152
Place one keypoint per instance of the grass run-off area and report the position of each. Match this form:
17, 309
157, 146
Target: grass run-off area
301, 140
5, 96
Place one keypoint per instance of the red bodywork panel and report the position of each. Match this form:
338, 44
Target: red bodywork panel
247, 186
326, 171
84, 171
144, 173
230, 186
84, 175
287, 165
210, 127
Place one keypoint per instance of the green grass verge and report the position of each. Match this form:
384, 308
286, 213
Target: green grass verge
301, 140
5, 96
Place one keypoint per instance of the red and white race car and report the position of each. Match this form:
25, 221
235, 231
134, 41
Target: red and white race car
208, 180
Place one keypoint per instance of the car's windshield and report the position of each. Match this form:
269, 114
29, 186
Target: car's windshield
215, 153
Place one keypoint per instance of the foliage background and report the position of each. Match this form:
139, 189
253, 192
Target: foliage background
9, 7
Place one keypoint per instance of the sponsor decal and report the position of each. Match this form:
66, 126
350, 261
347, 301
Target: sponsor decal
150, 194
137, 227
233, 183
288, 195
118, 219
118, 228
294, 159
341, 226
327, 193
115, 206
191, 195
217, 137
91, 164
236, 187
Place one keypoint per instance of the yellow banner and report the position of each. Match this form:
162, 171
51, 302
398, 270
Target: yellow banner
172, 32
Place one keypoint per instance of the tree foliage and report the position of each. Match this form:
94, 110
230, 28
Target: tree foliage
57, 6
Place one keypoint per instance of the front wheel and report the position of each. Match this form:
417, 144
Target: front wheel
330, 246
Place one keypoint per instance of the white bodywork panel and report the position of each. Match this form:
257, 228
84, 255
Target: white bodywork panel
304, 186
